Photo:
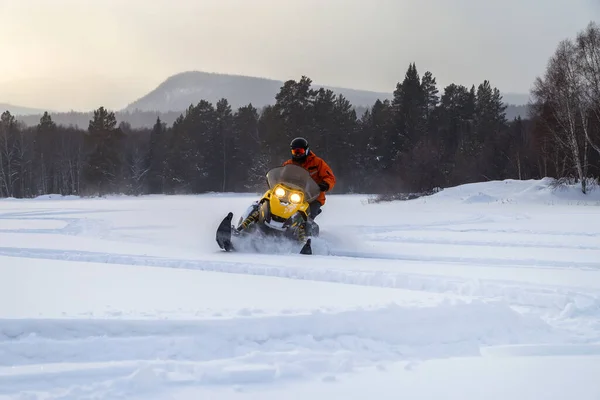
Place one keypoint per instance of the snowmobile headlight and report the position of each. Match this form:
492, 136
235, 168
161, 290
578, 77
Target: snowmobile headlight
280, 192
295, 198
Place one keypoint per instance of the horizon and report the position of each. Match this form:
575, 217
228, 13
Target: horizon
36, 110
148, 43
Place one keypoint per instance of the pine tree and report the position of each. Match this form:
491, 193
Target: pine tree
103, 170
293, 106
377, 130
248, 159
409, 106
225, 140
8, 155
431, 95
344, 144
456, 113
274, 143
45, 153
320, 134
195, 152
486, 146
209, 173
155, 159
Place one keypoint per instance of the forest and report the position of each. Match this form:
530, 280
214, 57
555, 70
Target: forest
423, 139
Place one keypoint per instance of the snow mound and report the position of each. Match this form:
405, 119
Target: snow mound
57, 197
50, 196
545, 191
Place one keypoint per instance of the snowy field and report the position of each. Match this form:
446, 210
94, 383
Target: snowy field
484, 291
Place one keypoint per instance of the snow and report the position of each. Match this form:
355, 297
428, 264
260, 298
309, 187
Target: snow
488, 290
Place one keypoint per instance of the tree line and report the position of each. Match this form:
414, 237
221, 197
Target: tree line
417, 141
137, 119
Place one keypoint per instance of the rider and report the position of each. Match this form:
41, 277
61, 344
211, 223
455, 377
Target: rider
318, 169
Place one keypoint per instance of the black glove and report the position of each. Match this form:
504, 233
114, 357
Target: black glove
324, 186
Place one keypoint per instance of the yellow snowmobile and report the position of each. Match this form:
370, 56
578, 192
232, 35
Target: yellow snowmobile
283, 211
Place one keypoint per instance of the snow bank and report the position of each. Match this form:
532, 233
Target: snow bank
50, 196
517, 191
57, 197
510, 190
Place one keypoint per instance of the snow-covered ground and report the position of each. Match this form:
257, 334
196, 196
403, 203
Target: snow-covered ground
484, 291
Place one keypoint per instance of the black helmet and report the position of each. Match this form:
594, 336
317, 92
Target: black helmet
299, 148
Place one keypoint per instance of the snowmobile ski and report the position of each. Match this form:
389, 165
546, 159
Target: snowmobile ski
224, 233
307, 248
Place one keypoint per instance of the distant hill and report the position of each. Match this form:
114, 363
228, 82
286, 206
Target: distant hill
518, 99
177, 92
180, 90
513, 111
19, 110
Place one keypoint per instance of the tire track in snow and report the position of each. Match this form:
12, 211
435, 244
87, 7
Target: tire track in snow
512, 231
579, 301
482, 262
475, 243
378, 229
254, 349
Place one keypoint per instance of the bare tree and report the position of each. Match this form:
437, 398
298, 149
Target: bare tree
561, 89
588, 59
136, 163
24, 150
8, 155
70, 161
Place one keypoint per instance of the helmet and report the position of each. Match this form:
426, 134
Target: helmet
299, 148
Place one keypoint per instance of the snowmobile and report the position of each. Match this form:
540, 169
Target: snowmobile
282, 212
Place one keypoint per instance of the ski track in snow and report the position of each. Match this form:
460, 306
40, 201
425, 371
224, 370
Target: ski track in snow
533, 286
279, 347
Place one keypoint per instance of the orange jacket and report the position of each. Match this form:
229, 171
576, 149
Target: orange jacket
319, 170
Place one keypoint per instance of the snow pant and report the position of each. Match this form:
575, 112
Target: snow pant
315, 209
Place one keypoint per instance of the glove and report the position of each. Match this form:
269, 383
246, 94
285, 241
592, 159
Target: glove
324, 186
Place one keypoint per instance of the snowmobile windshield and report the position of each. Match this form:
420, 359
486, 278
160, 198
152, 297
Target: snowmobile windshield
296, 177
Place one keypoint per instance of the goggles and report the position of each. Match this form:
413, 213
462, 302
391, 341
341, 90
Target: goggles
299, 151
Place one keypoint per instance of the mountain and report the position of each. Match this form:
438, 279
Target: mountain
177, 92
514, 111
19, 110
180, 90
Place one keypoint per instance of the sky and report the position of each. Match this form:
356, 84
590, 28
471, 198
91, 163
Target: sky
80, 54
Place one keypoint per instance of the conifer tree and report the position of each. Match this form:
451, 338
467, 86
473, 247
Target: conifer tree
225, 140
430, 94
156, 158
248, 159
293, 105
45, 153
409, 106
103, 169
8, 155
